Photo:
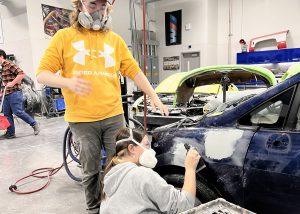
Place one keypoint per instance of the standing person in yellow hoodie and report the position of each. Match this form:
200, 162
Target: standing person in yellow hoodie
90, 57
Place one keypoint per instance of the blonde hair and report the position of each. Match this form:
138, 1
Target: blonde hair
74, 15
122, 147
121, 151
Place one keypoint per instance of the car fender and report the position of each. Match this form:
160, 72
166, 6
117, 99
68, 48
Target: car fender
223, 150
174, 153
170, 159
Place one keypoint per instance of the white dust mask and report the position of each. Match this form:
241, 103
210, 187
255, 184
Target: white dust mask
147, 158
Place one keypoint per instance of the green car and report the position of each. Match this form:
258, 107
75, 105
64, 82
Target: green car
196, 92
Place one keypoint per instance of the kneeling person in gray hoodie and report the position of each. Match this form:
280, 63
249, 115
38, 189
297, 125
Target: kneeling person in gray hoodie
131, 186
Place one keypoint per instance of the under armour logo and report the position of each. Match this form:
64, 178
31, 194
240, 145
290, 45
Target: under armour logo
109, 61
82, 53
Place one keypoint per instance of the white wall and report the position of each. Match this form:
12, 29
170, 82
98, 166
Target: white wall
16, 34
254, 18
121, 18
23, 29
38, 40
202, 16
210, 26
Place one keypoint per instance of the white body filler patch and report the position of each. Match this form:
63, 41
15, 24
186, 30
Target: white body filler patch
220, 144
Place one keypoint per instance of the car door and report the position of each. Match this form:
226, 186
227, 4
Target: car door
272, 165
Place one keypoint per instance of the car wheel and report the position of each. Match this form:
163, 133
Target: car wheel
203, 192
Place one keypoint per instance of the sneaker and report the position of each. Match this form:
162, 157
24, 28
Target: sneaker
36, 129
7, 136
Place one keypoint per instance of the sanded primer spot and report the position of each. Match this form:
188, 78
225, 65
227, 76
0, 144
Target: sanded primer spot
220, 144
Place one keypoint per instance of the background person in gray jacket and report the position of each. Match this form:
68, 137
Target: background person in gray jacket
131, 186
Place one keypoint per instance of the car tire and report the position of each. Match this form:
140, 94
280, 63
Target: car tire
203, 192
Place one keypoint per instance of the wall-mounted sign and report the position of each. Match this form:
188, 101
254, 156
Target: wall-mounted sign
173, 27
171, 63
54, 18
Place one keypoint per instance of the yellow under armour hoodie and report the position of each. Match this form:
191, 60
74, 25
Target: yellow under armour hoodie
99, 57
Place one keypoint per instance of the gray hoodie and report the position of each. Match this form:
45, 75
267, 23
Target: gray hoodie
132, 189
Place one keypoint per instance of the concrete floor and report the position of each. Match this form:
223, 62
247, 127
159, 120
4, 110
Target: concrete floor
20, 156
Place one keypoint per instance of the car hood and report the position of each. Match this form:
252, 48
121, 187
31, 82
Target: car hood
206, 80
211, 75
186, 82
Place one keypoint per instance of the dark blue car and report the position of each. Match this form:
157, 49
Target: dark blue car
250, 146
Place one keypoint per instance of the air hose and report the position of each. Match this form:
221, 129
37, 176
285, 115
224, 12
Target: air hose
36, 174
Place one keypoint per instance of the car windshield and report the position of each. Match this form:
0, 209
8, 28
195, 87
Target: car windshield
232, 104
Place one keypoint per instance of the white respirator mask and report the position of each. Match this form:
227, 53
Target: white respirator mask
147, 158
96, 21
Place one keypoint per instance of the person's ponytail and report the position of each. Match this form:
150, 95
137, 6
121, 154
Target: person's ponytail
114, 160
121, 151
111, 163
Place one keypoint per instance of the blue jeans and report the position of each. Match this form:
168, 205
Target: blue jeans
13, 104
